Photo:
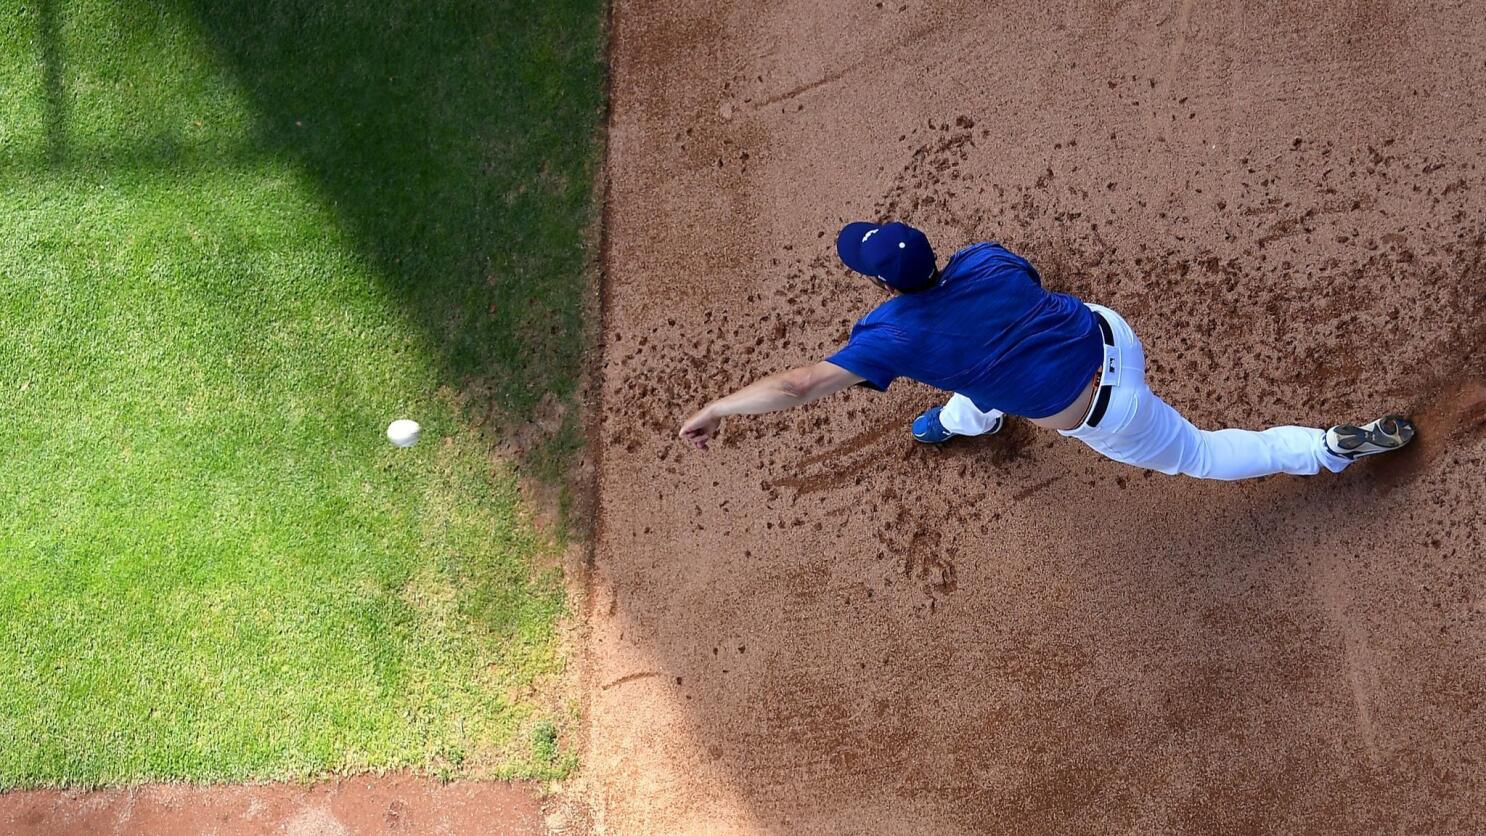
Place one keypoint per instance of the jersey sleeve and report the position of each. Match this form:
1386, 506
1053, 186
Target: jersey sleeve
869, 355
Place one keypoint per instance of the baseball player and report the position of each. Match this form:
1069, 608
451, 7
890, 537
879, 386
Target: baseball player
985, 329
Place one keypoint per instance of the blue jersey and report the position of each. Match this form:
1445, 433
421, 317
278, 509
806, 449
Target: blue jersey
988, 331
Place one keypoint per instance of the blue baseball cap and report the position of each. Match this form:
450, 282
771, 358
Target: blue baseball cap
896, 253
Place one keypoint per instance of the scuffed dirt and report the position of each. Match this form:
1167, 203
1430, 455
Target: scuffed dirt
391, 804
822, 626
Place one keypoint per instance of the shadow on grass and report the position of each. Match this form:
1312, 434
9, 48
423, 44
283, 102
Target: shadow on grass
456, 141
54, 85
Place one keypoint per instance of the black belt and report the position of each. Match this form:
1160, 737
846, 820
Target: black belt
1101, 399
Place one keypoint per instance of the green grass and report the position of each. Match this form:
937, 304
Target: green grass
239, 238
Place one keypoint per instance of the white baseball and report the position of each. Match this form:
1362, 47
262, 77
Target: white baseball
403, 432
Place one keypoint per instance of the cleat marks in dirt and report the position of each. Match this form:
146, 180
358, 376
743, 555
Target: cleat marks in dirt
624, 680
928, 560
1452, 417
1032, 490
822, 471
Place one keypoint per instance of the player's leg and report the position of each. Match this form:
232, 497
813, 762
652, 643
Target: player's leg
958, 416
1141, 429
1160, 438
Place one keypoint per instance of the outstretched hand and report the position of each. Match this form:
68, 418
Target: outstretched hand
781, 390
700, 428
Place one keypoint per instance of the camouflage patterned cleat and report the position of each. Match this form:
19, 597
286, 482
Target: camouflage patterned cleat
1380, 436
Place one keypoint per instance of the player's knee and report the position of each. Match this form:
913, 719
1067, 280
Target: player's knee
1198, 459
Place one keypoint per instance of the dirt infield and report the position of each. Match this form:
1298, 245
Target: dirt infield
820, 626
363, 805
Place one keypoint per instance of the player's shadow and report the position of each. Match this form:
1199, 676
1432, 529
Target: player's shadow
455, 143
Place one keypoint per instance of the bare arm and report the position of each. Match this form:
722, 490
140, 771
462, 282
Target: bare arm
770, 394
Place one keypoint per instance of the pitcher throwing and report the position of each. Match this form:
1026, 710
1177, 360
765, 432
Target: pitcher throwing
984, 329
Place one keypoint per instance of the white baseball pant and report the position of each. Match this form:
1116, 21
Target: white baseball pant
1140, 429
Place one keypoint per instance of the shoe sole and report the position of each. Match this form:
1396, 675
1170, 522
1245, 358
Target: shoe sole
1388, 433
921, 440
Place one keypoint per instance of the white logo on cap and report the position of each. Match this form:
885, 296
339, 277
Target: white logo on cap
870, 233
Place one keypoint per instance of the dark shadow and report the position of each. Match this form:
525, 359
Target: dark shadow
54, 84
455, 140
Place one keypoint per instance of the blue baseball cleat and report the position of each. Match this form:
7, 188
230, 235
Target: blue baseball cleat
926, 427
